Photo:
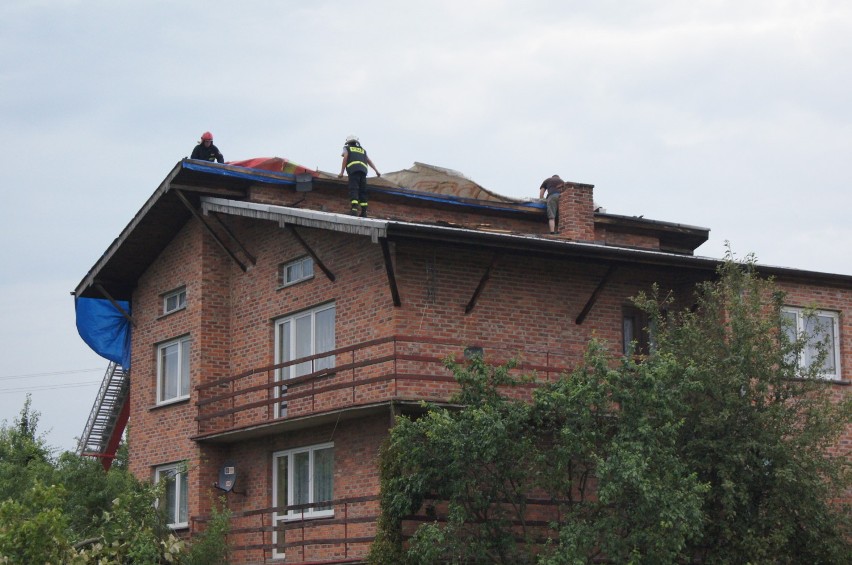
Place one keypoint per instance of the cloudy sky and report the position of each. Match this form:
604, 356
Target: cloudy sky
731, 115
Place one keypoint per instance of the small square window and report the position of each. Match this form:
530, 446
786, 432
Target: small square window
175, 300
295, 271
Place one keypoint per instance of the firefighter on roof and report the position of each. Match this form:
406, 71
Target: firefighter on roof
355, 163
206, 151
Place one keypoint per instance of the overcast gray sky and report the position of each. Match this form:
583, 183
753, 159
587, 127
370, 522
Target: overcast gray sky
732, 115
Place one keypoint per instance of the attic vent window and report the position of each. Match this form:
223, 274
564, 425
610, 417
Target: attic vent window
296, 271
174, 301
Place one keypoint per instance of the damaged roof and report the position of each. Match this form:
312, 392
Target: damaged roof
192, 184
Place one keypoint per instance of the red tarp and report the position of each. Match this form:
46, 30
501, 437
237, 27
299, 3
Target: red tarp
276, 164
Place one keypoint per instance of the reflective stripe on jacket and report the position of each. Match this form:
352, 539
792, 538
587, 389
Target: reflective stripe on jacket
356, 158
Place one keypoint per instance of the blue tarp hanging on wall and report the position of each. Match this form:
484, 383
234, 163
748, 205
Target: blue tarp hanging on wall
104, 328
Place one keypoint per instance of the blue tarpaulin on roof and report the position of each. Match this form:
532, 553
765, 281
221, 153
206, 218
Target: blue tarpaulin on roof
105, 329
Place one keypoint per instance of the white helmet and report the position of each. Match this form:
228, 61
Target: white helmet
351, 138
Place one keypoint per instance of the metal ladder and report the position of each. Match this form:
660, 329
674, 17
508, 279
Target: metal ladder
101, 433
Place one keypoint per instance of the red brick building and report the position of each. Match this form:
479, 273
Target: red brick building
277, 336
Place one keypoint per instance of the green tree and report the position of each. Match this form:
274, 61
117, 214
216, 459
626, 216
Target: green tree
33, 528
713, 449
25, 457
757, 427
90, 490
68, 510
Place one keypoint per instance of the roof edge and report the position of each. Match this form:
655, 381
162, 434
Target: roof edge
90, 277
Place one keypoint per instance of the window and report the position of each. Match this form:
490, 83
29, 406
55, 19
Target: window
173, 370
175, 300
298, 270
174, 503
821, 328
634, 328
302, 335
304, 478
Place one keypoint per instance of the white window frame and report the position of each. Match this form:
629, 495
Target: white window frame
301, 514
298, 270
180, 300
285, 330
176, 472
183, 345
802, 315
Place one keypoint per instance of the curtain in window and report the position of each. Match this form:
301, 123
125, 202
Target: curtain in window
281, 482
183, 503
301, 479
170, 363
325, 338
171, 498
184, 368
304, 343
323, 477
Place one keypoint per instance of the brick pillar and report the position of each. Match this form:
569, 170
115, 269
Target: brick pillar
577, 212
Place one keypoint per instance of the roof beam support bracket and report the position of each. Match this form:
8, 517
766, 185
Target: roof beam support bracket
482, 282
292, 229
210, 230
594, 297
112, 301
389, 268
234, 238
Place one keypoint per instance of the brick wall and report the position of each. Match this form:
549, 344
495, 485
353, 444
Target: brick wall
528, 307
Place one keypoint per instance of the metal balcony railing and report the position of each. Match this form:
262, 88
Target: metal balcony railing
395, 368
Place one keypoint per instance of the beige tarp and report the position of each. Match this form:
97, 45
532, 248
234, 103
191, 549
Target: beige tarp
438, 180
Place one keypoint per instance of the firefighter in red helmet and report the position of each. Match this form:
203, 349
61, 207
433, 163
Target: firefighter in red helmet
206, 151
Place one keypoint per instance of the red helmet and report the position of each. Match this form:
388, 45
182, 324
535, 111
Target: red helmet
206, 136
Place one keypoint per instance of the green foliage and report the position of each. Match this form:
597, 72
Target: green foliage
133, 531
713, 450
25, 458
608, 456
91, 491
756, 427
68, 510
211, 547
33, 528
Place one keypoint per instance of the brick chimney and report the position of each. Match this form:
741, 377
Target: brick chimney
577, 212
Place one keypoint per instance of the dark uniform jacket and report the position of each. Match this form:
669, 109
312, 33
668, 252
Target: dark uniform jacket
356, 159
207, 153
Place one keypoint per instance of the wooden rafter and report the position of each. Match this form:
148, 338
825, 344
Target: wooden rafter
112, 301
482, 282
389, 268
292, 229
210, 231
594, 297
234, 238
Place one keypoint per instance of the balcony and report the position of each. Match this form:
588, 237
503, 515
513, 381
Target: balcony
365, 378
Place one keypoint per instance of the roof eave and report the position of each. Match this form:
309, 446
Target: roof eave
91, 277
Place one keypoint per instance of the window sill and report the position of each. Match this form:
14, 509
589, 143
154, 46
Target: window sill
169, 403
175, 311
289, 284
